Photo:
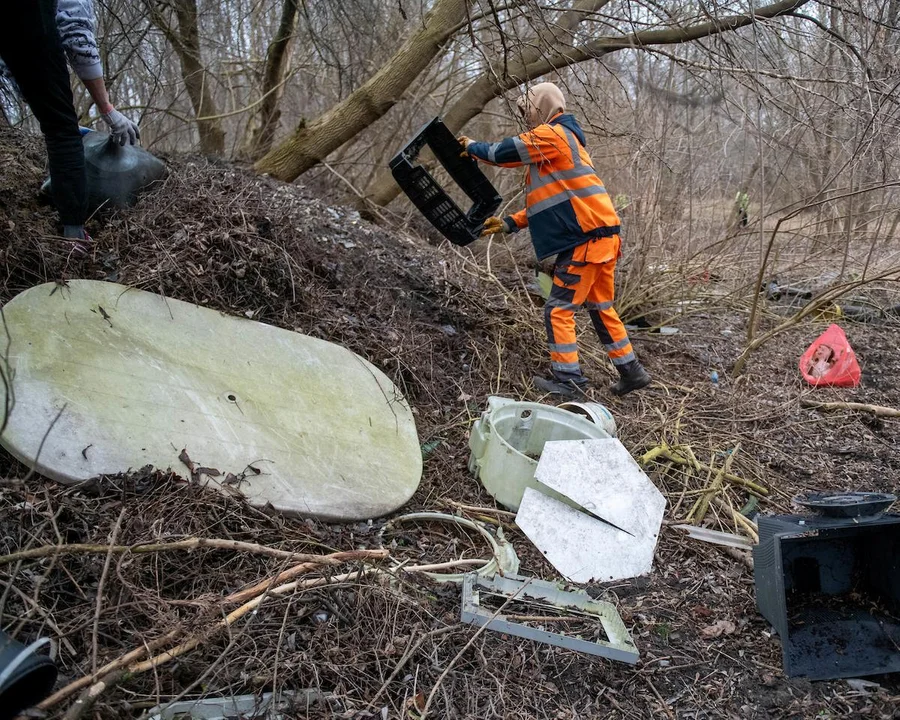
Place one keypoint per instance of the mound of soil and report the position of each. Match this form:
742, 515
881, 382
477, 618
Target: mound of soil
449, 333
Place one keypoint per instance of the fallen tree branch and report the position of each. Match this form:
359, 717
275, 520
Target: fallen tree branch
740, 555
98, 608
193, 543
305, 567
83, 705
747, 525
878, 410
698, 512
672, 454
234, 616
111, 667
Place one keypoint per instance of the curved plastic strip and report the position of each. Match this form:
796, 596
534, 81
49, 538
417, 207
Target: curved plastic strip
504, 558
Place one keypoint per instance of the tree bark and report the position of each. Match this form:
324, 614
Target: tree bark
310, 144
265, 122
489, 86
185, 40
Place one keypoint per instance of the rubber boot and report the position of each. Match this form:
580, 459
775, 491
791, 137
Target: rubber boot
562, 388
80, 241
633, 377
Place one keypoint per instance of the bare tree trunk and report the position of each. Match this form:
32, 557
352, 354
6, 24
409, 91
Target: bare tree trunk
537, 63
265, 122
185, 40
312, 143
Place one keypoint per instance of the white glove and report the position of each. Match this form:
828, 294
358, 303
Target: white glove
121, 128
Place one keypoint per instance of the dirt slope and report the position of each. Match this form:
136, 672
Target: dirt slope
449, 335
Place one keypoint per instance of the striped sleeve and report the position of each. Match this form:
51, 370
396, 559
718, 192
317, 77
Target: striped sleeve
516, 221
509, 152
77, 25
532, 147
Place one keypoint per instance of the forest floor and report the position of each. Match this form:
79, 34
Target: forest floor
449, 334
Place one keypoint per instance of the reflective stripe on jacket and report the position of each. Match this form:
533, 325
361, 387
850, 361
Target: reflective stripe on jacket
566, 204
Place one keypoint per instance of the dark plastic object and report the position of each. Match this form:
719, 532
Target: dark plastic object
116, 174
431, 199
846, 505
30, 682
831, 589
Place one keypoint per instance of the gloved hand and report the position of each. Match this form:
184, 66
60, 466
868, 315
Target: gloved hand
121, 128
465, 142
492, 226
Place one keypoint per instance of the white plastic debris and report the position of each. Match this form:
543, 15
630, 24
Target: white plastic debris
609, 529
716, 537
504, 559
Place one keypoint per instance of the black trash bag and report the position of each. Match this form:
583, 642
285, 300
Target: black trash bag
116, 174
25, 678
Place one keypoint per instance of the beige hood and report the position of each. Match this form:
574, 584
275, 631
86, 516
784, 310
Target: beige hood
540, 103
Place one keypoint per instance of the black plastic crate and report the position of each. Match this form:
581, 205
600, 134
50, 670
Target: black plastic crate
431, 199
831, 589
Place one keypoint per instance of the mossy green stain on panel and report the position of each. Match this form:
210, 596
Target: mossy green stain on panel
142, 377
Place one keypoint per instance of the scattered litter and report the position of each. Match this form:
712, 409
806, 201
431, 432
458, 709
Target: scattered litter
863, 686
529, 600
606, 523
115, 174
716, 537
506, 443
828, 586
545, 283
861, 313
830, 360
504, 559
246, 707
430, 446
714, 377
774, 291
540, 285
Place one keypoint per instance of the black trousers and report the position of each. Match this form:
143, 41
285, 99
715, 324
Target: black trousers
31, 48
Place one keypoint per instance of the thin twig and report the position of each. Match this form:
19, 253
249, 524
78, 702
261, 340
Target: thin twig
100, 585
233, 617
111, 667
877, 410
192, 543
83, 704
290, 573
466, 647
411, 650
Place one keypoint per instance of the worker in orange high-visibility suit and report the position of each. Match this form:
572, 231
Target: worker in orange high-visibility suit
571, 216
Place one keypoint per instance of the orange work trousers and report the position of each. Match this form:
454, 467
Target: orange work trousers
585, 277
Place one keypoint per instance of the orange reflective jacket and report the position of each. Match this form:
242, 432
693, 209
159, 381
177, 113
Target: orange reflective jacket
566, 204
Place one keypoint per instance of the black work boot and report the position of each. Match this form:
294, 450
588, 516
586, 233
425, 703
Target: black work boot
633, 377
561, 388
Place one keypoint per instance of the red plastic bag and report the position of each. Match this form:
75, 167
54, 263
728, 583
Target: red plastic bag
830, 360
